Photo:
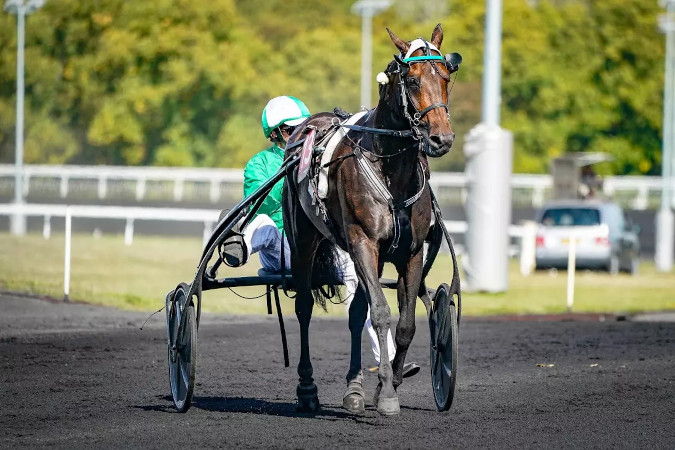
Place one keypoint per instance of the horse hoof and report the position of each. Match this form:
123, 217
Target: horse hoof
308, 405
388, 406
354, 403
308, 400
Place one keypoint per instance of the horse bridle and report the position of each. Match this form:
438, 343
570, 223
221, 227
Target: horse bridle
451, 62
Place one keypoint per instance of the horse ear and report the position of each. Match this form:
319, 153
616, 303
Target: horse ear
402, 45
437, 36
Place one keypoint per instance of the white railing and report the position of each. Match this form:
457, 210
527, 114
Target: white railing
139, 175
633, 191
130, 214
127, 213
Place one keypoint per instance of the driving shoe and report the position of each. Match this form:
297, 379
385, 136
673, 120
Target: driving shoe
233, 251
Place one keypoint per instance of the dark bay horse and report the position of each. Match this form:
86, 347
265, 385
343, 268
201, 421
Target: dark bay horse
377, 207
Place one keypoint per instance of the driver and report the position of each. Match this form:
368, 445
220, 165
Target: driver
264, 234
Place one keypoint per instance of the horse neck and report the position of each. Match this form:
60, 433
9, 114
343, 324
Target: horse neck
401, 167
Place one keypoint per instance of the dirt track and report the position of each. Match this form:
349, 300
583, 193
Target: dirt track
75, 376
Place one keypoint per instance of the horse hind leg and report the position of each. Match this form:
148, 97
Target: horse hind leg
307, 392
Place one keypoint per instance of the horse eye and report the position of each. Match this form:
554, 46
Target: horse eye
413, 82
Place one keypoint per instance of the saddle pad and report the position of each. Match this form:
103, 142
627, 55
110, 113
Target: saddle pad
322, 187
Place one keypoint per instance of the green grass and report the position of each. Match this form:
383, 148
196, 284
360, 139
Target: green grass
105, 271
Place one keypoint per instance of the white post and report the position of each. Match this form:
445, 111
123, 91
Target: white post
47, 227
206, 234
64, 186
214, 191
571, 270
492, 64
178, 189
102, 187
18, 220
366, 55
129, 232
489, 159
663, 257
528, 247
140, 188
66, 271
367, 9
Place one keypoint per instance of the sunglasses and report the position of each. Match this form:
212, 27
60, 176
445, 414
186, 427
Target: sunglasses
286, 129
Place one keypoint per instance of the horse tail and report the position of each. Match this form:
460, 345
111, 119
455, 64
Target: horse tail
324, 274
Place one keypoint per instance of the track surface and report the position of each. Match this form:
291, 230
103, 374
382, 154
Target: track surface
78, 376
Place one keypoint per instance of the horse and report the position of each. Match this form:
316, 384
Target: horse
377, 207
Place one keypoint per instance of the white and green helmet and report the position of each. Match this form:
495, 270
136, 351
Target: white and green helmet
283, 110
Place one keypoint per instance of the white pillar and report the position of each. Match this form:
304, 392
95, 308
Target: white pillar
18, 219
489, 159
664, 219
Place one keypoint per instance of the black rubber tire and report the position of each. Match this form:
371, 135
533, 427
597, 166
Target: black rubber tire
182, 350
444, 346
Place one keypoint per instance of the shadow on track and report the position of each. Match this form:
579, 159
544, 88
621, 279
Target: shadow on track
263, 407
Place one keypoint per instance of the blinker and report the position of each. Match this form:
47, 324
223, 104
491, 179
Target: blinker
452, 61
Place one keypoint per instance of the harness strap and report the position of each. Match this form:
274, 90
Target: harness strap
381, 189
395, 133
373, 179
422, 113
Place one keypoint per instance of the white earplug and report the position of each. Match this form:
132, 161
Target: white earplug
382, 78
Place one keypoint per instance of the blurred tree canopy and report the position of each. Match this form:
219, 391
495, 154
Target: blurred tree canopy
183, 82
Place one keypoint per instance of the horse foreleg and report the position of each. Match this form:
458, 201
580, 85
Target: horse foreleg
364, 256
408, 289
354, 398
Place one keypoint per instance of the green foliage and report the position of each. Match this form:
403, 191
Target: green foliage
183, 82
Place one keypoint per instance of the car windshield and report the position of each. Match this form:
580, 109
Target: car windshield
566, 217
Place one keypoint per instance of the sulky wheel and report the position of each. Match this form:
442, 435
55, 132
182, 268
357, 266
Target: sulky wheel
443, 331
182, 346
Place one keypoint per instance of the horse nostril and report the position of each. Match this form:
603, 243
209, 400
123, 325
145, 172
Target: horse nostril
442, 140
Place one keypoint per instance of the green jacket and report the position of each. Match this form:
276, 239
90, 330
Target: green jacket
260, 168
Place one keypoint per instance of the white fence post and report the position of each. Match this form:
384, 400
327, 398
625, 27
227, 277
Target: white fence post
208, 229
66, 271
129, 232
47, 227
571, 270
528, 247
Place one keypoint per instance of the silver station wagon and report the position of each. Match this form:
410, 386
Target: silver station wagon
604, 235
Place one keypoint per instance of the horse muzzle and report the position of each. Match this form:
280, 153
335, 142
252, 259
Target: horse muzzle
439, 144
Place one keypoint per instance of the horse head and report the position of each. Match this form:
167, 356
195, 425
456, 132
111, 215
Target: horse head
416, 87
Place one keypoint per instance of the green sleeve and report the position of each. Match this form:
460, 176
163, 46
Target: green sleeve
257, 172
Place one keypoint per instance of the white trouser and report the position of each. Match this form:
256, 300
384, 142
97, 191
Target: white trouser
263, 237
351, 282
